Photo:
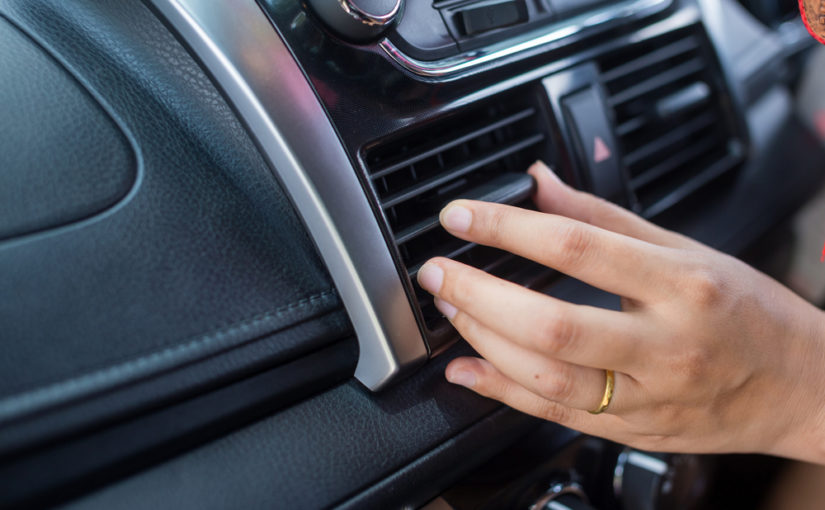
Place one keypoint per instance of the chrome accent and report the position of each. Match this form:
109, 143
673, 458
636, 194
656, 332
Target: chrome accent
367, 18
250, 63
458, 64
641, 460
618, 472
556, 491
648, 463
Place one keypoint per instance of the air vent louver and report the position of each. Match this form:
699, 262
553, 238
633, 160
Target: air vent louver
480, 154
672, 120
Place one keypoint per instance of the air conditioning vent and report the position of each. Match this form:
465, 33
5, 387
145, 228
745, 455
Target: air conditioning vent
481, 154
672, 118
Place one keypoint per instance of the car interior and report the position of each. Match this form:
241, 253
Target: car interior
212, 214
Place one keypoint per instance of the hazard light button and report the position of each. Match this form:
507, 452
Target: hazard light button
594, 143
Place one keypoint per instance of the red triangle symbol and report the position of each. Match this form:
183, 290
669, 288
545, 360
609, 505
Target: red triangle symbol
601, 151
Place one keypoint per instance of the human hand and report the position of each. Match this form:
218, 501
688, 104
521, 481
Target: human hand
709, 354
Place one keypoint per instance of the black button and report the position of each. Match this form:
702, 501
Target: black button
490, 16
595, 142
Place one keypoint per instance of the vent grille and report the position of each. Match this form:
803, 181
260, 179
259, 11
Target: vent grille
480, 154
672, 120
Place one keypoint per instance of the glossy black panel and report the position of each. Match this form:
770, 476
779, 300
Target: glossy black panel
368, 97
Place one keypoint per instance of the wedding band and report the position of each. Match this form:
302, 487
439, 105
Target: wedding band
610, 378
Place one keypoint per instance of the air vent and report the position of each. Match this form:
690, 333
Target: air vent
482, 154
672, 118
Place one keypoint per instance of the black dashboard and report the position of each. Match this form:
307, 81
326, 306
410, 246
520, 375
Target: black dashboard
212, 214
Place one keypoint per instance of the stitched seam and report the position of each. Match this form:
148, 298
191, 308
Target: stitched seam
167, 350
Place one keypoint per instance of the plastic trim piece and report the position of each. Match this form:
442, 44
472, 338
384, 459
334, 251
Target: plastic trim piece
250, 63
459, 64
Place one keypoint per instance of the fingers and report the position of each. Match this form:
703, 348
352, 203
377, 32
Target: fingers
483, 378
561, 382
616, 263
582, 335
555, 197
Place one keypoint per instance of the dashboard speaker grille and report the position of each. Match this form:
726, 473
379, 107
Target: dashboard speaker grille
481, 153
672, 119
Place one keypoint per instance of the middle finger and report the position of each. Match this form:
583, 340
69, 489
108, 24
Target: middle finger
583, 335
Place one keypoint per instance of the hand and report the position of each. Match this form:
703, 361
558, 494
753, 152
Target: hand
709, 354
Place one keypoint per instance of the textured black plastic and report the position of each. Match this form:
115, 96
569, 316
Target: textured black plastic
320, 451
74, 466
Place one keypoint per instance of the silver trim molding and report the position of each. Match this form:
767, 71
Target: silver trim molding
468, 61
250, 63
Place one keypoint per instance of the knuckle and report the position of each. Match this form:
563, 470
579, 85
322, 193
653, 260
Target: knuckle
574, 242
554, 412
705, 286
496, 225
557, 387
557, 334
691, 365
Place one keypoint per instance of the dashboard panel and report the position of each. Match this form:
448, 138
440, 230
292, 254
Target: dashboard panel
241, 326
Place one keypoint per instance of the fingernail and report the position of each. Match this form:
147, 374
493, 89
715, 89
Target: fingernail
430, 277
460, 377
446, 308
456, 218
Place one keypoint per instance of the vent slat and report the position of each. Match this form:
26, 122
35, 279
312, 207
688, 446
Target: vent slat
629, 126
697, 181
673, 123
462, 170
672, 163
421, 228
672, 137
481, 154
443, 147
494, 265
656, 57
505, 189
659, 81
450, 255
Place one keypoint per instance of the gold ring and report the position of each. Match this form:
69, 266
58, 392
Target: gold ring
610, 380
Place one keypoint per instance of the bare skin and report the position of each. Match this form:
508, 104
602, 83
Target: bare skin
710, 355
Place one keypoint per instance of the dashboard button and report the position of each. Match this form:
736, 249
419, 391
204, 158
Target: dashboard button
493, 15
595, 143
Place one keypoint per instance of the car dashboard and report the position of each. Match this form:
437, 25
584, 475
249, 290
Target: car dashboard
215, 213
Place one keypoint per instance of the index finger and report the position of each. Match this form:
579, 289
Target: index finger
613, 262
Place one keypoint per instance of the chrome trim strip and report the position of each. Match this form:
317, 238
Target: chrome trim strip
248, 60
459, 64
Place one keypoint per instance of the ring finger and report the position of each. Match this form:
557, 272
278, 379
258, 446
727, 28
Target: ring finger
561, 382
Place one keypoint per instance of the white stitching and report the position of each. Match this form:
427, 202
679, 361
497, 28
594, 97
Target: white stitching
22, 403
